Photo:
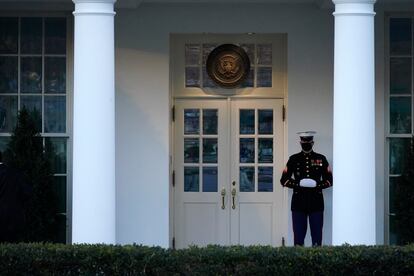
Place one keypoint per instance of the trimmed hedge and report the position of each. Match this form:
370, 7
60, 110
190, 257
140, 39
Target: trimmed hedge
52, 259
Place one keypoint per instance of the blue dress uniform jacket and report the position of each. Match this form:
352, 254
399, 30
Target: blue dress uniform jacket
307, 165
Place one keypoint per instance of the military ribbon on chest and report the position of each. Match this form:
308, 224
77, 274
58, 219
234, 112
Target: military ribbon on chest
316, 162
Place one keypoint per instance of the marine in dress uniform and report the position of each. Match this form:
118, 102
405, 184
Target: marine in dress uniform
307, 173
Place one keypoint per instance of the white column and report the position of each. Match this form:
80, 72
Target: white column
354, 123
93, 217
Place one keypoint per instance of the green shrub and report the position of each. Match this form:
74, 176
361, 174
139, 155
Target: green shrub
27, 153
49, 259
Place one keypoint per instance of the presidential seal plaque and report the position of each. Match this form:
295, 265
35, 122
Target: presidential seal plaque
228, 65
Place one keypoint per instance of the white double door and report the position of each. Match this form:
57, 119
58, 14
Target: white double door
228, 161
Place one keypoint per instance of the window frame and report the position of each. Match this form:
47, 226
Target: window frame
68, 134
387, 100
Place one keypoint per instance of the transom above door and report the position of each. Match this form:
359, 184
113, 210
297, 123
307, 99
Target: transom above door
268, 62
227, 163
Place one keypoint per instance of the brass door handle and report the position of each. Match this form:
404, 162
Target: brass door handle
233, 193
223, 194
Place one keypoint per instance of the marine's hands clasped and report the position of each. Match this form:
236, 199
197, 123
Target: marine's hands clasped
308, 183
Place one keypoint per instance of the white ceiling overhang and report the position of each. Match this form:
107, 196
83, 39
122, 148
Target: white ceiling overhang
133, 4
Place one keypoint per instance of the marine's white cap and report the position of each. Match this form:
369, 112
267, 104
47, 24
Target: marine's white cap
306, 136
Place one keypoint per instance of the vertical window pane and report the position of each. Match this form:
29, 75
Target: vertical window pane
392, 188
400, 114
393, 231
191, 121
393, 201
207, 81
55, 36
8, 74
207, 48
33, 104
399, 148
58, 147
264, 54
400, 76
249, 81
246, 150
192, 54
4, 142
264, 77
55, 75
266, 121
210, 120
265, 150
8, 113
246, 179
192, 77
62, 226
191, 179
191, 150
249, 48
400, 36
210, 179
55, 114
31, 75
9, 30
246, 121
210, 150
31, 36
60, 190
265, 179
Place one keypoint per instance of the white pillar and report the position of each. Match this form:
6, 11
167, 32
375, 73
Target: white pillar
354, 123
93, 214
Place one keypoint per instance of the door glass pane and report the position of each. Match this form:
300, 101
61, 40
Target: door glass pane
31, 35
191, 121
191, 150
9, 29
210, 121
264, 77
55, 114
55, 36
210, 179
8, 113
246, 150
264, 54
265, 179
58, 147
33, 104
31, 75
192, 54
246, 121
265, 150
266, 121
399, 148
400, 76
210, 150
192, 77
8, 74
400, 114
191, 179
246, 179
55, 74
400, 36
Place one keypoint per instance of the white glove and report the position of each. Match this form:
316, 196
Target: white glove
308, 183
